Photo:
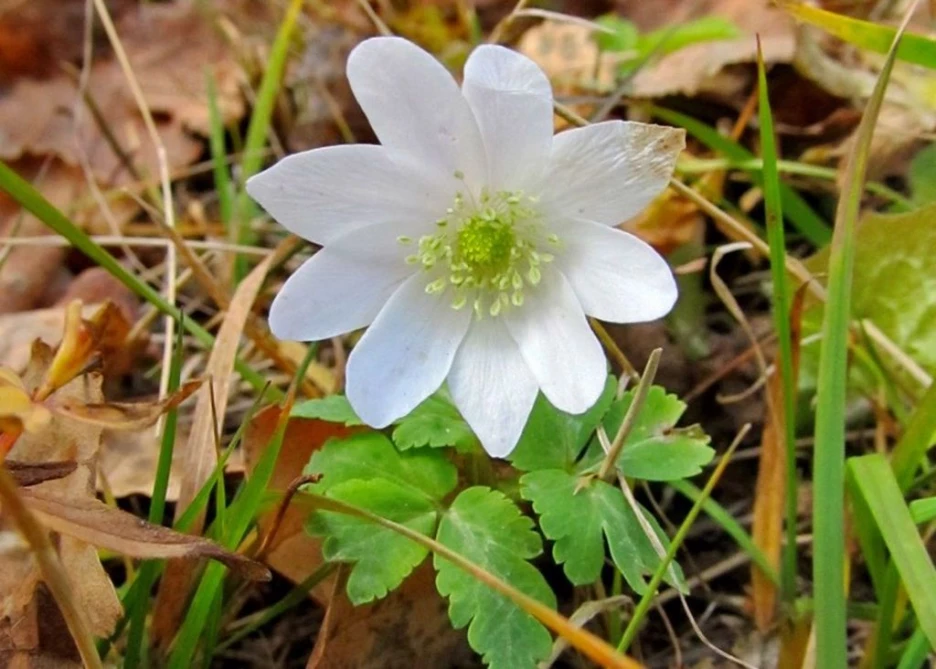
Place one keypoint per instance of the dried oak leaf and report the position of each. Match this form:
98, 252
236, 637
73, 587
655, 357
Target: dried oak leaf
63, 439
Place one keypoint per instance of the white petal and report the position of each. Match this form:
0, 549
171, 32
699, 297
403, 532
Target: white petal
414, 106
492, 386
406, 353
325, 193
558, 345
512, 101
609, 172
616, 276
343, 286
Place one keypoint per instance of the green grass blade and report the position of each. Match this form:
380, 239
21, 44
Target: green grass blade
923, 510
732, 527
295, 596
916, 49
241, 515
915, 652
259, 128
222, 176
871, 477
135, 653
797, 210
829, 457
643, 606
33, 202
916, 439
786, 414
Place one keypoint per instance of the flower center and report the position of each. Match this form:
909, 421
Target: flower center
485, 253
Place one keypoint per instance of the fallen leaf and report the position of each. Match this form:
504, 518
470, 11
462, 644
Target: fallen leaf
26, 475
62, 440
702, 68
103, 526
770, 488
121, 415
409, 627
292, 552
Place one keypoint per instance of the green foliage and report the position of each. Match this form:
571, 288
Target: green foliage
922, 176
435, 422
893, 284
626, 37
334, 409
382, 558
871, 478
488, 529
654, 449
367, 471
407, 488
918, 49
371, 456
580, 514
553, 439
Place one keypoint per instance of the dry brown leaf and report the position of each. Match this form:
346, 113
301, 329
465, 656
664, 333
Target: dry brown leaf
704, 68
27, 271
410, 627
62, 440
171, 72
106, 527
26, 475
124, 416
292, 552
770, 489
213, 399
769, 500
572, 60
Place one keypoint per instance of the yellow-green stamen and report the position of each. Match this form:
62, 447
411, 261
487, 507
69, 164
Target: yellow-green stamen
485, 252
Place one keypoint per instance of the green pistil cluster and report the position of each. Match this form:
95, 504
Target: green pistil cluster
485, 253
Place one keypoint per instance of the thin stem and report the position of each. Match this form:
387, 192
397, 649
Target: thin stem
644, 604
640, 394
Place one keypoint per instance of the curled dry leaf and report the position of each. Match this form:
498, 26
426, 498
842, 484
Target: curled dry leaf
84, 341
62, 440
18, 412
103, 526
121, 415
29, 474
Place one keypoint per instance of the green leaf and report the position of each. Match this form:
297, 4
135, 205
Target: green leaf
795, 208
679, 454
436, 422
488, 529
580, 520
382, 558
623, 38
893, 283
871, 477
922, 176
372, 456
334, 409
673, 38
553, 439
917, 49
923, 510
653, 449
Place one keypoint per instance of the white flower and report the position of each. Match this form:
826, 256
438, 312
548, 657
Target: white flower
471, 241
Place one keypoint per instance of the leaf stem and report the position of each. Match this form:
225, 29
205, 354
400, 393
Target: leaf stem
640, 395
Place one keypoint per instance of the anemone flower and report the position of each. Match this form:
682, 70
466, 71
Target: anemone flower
471, 242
